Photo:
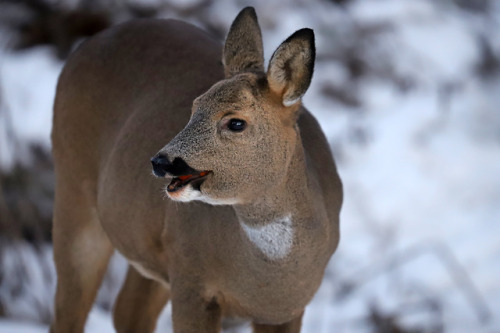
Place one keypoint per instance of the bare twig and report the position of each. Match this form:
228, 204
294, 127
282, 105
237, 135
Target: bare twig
445, 256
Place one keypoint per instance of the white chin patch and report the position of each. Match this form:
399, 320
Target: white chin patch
187, 193
218, 202
287, 102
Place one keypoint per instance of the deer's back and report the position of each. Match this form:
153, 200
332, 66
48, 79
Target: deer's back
120, 97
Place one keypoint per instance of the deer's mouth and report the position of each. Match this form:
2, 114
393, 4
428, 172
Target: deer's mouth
195, 179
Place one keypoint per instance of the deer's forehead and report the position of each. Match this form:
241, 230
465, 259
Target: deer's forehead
238, 93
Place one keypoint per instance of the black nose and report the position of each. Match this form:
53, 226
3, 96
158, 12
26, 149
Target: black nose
160, 165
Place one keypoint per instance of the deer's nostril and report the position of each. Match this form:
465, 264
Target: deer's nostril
177, 167
160, 164
180, 167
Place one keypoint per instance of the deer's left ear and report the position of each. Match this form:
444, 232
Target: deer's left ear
291, 67
243, 50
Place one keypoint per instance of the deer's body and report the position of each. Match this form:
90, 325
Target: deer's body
121, 97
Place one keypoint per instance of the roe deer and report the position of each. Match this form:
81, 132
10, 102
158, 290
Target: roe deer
264, 196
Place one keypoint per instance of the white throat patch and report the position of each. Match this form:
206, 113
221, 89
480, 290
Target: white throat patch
274, 239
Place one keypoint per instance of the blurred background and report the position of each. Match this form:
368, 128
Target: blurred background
408, 95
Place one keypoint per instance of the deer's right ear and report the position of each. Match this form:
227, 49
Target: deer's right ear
291, 67
243, 50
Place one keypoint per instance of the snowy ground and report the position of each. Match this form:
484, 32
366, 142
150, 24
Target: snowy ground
420, 163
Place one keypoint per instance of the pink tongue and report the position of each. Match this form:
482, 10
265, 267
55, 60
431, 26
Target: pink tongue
183, 178
176, 182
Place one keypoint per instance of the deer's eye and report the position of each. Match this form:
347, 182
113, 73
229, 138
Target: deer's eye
236, 125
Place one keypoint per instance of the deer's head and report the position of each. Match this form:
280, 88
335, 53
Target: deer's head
243, 131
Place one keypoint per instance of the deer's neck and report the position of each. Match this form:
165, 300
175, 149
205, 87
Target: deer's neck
271, 221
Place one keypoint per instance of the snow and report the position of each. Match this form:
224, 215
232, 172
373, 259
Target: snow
98, 321
10, 326
420, 166
28, 80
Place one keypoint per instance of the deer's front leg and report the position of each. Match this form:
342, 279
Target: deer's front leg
292, 326
139, 304
191, 312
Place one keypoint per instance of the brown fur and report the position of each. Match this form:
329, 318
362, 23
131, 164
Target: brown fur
129, 91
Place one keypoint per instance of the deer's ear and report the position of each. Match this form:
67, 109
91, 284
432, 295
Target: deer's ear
291, 67
243, 50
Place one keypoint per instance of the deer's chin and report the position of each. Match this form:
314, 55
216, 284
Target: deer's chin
218, 201
185, 194
188, 193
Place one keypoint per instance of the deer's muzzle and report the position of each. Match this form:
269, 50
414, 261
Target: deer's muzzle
181, 172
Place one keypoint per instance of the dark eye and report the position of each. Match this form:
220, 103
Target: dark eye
236, 125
